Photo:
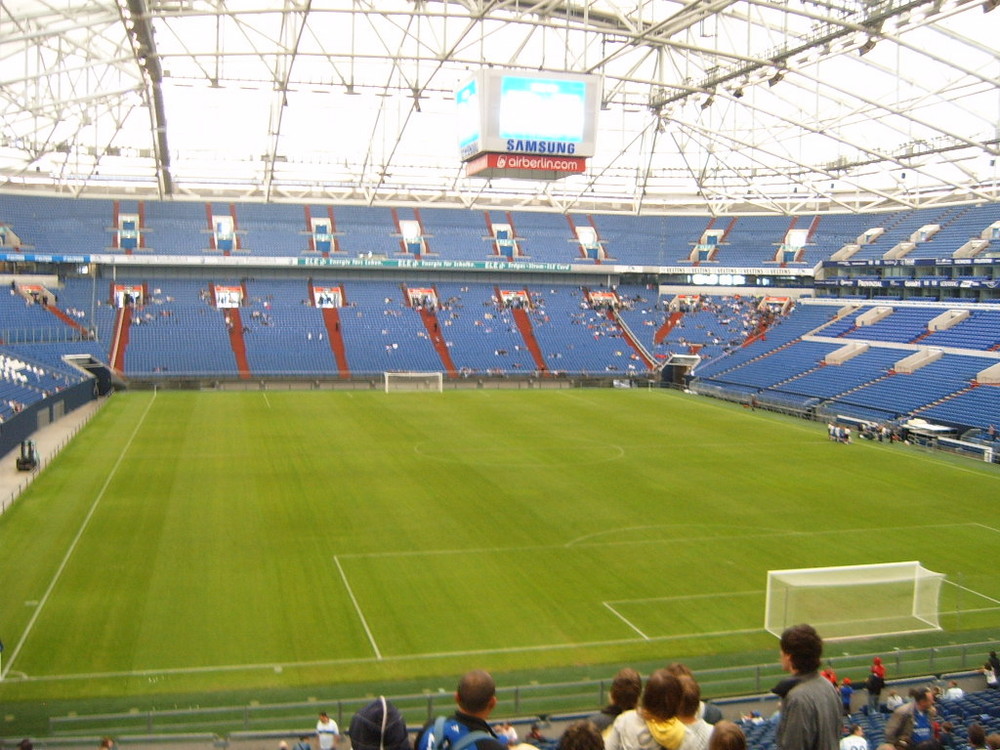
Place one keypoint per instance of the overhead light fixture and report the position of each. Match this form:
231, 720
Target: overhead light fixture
867, 47
738, 93
990, 5
776, 78
708, 102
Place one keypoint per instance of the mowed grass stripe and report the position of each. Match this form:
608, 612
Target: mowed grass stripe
217, 541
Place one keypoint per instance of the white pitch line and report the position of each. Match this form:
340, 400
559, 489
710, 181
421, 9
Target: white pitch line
757, 592
624, 619
401, 658
634, 542
988, 528
972, 591
76, 540
266, 399
357, 608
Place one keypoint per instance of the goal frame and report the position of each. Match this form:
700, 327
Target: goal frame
435, 381
924, 596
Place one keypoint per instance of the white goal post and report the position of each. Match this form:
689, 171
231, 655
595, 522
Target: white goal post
854, 601
396, 382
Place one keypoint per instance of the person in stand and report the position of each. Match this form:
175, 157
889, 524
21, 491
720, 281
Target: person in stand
855, 740
992, 679
653, 724
327, 731
912, 720
379, 726
874, 685
846, 693
476, 697
582, 735
727, 735
811, 709
953, 693
977, 736
624, 694
697, 731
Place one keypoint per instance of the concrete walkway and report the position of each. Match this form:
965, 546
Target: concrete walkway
48, 442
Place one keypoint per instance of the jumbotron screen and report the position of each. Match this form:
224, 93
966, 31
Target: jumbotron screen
504, 112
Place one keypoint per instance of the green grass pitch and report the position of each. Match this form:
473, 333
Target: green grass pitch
199, 542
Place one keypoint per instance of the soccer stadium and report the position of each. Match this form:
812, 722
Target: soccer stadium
348, 347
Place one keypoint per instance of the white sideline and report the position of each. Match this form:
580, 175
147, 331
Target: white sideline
357, 608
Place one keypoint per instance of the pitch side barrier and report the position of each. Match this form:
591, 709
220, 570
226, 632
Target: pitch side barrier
733, 689
546, 381
813, 410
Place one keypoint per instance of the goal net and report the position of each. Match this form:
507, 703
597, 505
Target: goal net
413, 381
852, 601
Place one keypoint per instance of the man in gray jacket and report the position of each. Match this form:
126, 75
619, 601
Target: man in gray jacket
810, 708
912, 720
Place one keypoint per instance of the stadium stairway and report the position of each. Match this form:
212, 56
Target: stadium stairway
119, 341
429, 317
631, 340
667, 327
528, 334
235, 325
945, 399
68, 320
331, 318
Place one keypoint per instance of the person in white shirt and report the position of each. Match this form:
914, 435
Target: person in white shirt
954, 692
894, 701
855, 740
326, 731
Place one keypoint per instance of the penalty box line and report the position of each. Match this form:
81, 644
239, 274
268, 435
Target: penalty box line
610, 605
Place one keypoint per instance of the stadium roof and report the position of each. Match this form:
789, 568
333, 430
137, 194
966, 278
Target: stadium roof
709, 106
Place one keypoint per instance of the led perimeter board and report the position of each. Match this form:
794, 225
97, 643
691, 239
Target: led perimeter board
538, 113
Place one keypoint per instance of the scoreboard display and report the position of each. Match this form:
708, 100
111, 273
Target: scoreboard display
541, 114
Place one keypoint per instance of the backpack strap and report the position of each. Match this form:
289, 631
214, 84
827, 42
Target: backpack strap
437, 734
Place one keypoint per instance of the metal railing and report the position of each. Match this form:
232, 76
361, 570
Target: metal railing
535, 701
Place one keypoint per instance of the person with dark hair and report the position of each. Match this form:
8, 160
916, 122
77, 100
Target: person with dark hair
726, 735
327, 731
946, 735
379, 726
476, 697
707, 711
582, 735
654, 724
912, 720
810, 709
625, 690
855, 739
977, 736
696, 729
